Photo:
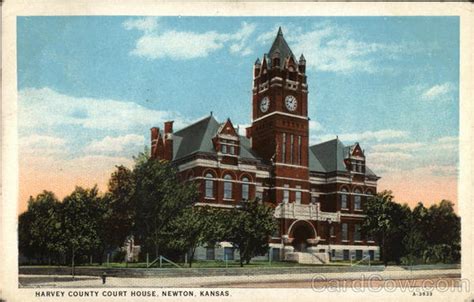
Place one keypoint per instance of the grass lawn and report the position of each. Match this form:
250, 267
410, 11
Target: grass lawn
201, 264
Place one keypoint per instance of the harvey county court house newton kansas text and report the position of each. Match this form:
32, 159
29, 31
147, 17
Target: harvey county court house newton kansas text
318, 191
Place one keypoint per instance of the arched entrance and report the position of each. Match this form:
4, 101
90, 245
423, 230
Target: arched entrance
301, 231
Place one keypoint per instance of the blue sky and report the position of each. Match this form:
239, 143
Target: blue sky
91, 87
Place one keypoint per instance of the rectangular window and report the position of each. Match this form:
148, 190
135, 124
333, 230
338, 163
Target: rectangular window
333, 253
331, 231
209, 188
344, 201
227, 190
372, 254
232, 150
357, 232
370, 237
210, 254
299, 150
259, 195
358, 254
345, 234
275, 254
245, 191
292, 145
345, 254
286, 194
283, 149
314, 199
298, 195
357, 202
229, 253
224, 149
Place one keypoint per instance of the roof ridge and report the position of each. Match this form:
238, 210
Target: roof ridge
325, 142
194, 123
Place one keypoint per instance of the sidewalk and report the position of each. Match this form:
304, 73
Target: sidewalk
222, 281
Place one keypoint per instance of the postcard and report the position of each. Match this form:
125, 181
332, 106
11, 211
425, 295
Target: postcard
236, 151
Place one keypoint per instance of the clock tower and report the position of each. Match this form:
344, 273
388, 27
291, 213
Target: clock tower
279, 130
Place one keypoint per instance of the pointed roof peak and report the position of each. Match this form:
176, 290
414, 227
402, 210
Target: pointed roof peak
280, 46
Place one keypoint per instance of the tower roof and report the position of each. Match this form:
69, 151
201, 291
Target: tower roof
280, 45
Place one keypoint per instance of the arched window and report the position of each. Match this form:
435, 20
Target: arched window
245, 188
227, 187
357, 200
344, 198
209, 185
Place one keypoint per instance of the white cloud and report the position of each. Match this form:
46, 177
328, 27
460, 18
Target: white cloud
185, 45
390, 156
441, 92
315, 126
335, 49
448, 139
397, 146
147, 24
116, 144
42, 144
47, 108
379, 135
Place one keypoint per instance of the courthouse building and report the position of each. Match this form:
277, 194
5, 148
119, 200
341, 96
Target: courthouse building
319, 191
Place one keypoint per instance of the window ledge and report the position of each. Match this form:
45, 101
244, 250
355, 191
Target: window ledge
209, 198
344, 240
345, 209
227, 199
358, 241
358, 210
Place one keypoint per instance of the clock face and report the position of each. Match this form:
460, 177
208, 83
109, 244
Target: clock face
265, 104
291, 103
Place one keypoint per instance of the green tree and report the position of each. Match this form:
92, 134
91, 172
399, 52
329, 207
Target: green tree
249, 228
39, 227
386, 222
159, 197
197, 226
119, 215
79, 223
443, 234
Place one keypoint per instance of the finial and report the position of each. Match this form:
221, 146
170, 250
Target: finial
257, 62
280, 32
211, 113
302, 58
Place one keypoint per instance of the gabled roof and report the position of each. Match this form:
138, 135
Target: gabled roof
280, 46
329, 157
197, 137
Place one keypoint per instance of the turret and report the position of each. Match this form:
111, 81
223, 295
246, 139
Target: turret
302, 64
256, 68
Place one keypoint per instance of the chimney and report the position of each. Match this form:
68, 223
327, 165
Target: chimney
154, 141
169, 127
168, 141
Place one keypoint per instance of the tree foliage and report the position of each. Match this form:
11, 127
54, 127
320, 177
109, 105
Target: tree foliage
249, 229
422, 234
